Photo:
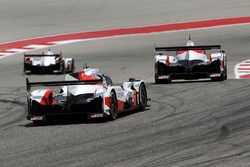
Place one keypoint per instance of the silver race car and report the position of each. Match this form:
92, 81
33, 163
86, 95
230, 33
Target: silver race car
48, 62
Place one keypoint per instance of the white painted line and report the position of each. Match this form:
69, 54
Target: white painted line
244, 73
246, 63
67, 41
241, 74
6, 54
36, 46
18, 50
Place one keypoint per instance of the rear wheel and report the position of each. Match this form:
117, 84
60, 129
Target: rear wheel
63, 69
113, 106
157, 81
142, 97
222, 77
160, 81
72, 66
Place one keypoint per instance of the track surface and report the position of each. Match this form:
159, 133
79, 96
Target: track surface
198, 123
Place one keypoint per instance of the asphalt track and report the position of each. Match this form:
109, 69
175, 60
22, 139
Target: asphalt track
195, 123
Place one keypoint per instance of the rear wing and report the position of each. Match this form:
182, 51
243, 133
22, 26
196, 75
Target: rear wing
179, 48
42, 55
60, 83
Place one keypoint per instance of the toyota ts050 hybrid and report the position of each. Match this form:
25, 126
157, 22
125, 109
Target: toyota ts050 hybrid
87, 92
48, 62
190, 62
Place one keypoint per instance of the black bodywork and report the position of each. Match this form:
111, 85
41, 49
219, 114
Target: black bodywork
71, 105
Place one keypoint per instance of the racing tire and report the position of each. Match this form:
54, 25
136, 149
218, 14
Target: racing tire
143, 99
222, 77
25, 71
225, 73
72, 66
63, 70
160, 81
113, 106
157, 81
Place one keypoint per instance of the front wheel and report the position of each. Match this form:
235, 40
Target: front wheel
113, 107
142, 97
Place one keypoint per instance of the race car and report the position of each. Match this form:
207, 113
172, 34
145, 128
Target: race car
88, 92
48, 62
190, 62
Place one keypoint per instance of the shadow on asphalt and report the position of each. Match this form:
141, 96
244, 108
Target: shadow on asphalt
73, 119
182, 82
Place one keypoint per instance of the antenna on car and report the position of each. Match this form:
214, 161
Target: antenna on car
189, 37
85, 66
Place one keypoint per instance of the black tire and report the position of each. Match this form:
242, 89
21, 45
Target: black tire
157, 81
63, 68
72, 66
25, 71
143, 99
225, 72
160, 81
113, 106
222, 77
34, 107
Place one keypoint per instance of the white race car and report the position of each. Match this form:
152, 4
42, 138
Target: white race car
190, 62
47, 63
87, 92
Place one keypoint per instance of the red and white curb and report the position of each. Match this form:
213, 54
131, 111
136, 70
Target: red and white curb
242, 70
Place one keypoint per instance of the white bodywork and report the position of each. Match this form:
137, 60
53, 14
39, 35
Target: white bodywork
129, 90
188, 55
43, 61
49, 59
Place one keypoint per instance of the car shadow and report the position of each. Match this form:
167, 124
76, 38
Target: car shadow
43, 73
182, 82
71, 120
65, 120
